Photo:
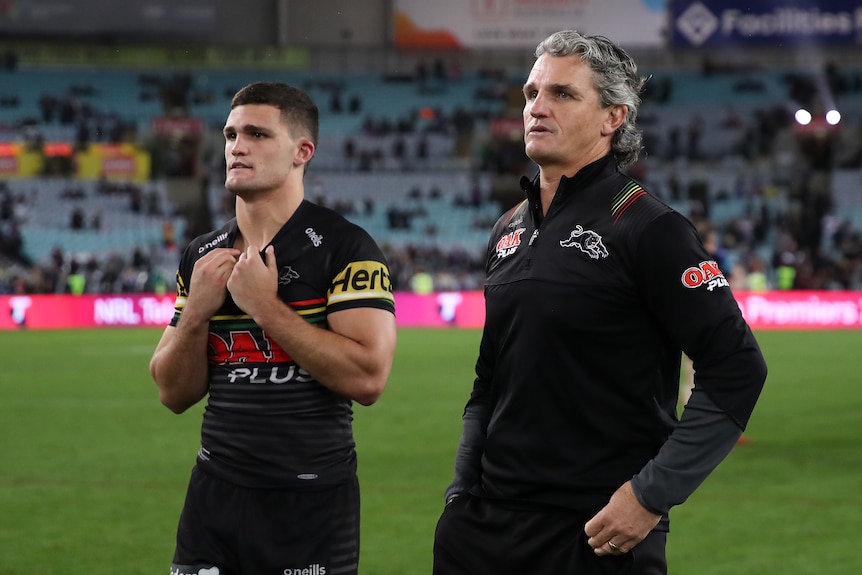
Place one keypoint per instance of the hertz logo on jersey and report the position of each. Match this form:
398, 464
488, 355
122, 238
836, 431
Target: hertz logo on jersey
361, 280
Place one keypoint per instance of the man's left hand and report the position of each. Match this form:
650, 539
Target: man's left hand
254, 280
621, 524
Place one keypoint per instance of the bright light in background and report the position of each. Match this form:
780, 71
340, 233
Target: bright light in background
803, 116
825, 113
833, 117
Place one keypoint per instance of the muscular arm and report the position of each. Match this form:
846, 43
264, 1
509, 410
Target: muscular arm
179, 363
352, 358
179, 366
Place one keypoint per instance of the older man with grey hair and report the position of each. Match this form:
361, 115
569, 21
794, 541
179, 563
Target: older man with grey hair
572, 454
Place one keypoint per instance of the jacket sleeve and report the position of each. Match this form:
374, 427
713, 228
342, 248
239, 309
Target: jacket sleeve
477, 413
691, 302
704, 437
468, 457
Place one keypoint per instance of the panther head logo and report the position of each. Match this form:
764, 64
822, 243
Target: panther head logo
287, 274
587, 241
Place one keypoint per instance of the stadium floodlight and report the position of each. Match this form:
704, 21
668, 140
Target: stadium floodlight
833, 117
803, 116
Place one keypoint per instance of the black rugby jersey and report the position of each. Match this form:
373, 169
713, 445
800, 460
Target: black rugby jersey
267, 422
587, 312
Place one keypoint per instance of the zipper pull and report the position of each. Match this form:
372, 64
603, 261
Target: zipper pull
534, 236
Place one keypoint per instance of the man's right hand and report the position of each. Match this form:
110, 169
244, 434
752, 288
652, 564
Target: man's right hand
208, 284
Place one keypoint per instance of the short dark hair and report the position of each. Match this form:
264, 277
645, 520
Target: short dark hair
297, 108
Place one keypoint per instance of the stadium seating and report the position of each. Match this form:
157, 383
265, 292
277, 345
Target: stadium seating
709, 148
47, 224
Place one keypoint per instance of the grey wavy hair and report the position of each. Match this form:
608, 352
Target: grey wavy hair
616, 77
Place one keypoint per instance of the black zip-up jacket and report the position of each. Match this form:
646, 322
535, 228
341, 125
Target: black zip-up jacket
587, 313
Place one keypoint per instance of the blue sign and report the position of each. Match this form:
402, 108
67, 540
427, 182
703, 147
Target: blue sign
766, 22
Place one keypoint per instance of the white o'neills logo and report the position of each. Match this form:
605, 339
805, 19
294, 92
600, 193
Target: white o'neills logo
706, 272
315, 238
315, 569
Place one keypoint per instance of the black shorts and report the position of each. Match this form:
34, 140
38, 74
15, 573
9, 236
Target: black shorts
244, 531
478, 536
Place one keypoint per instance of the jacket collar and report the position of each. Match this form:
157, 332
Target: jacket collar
568, 185
582, 177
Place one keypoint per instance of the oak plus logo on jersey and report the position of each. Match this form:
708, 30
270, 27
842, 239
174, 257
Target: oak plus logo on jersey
587, 241
705, 273
265, 374
245, 346
509, 243
361, 280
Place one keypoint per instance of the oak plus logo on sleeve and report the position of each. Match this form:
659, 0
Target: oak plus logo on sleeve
705, 273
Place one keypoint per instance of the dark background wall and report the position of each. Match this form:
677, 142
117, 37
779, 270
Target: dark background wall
258, 22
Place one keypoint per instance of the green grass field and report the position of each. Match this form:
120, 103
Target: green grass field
93, 469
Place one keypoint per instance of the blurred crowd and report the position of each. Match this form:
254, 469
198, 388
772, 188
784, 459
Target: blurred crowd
143, 269
791, 234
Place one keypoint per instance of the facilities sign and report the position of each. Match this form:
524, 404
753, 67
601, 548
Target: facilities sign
768, 22
525, 23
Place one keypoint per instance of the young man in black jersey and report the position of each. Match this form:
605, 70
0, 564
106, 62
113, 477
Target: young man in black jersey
284, 318
571, 454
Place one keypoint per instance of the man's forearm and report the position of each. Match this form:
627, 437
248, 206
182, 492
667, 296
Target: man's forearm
468, 458
179, 365
702, 439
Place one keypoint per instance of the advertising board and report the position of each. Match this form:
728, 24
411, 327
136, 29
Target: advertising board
461, 309
768, 22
